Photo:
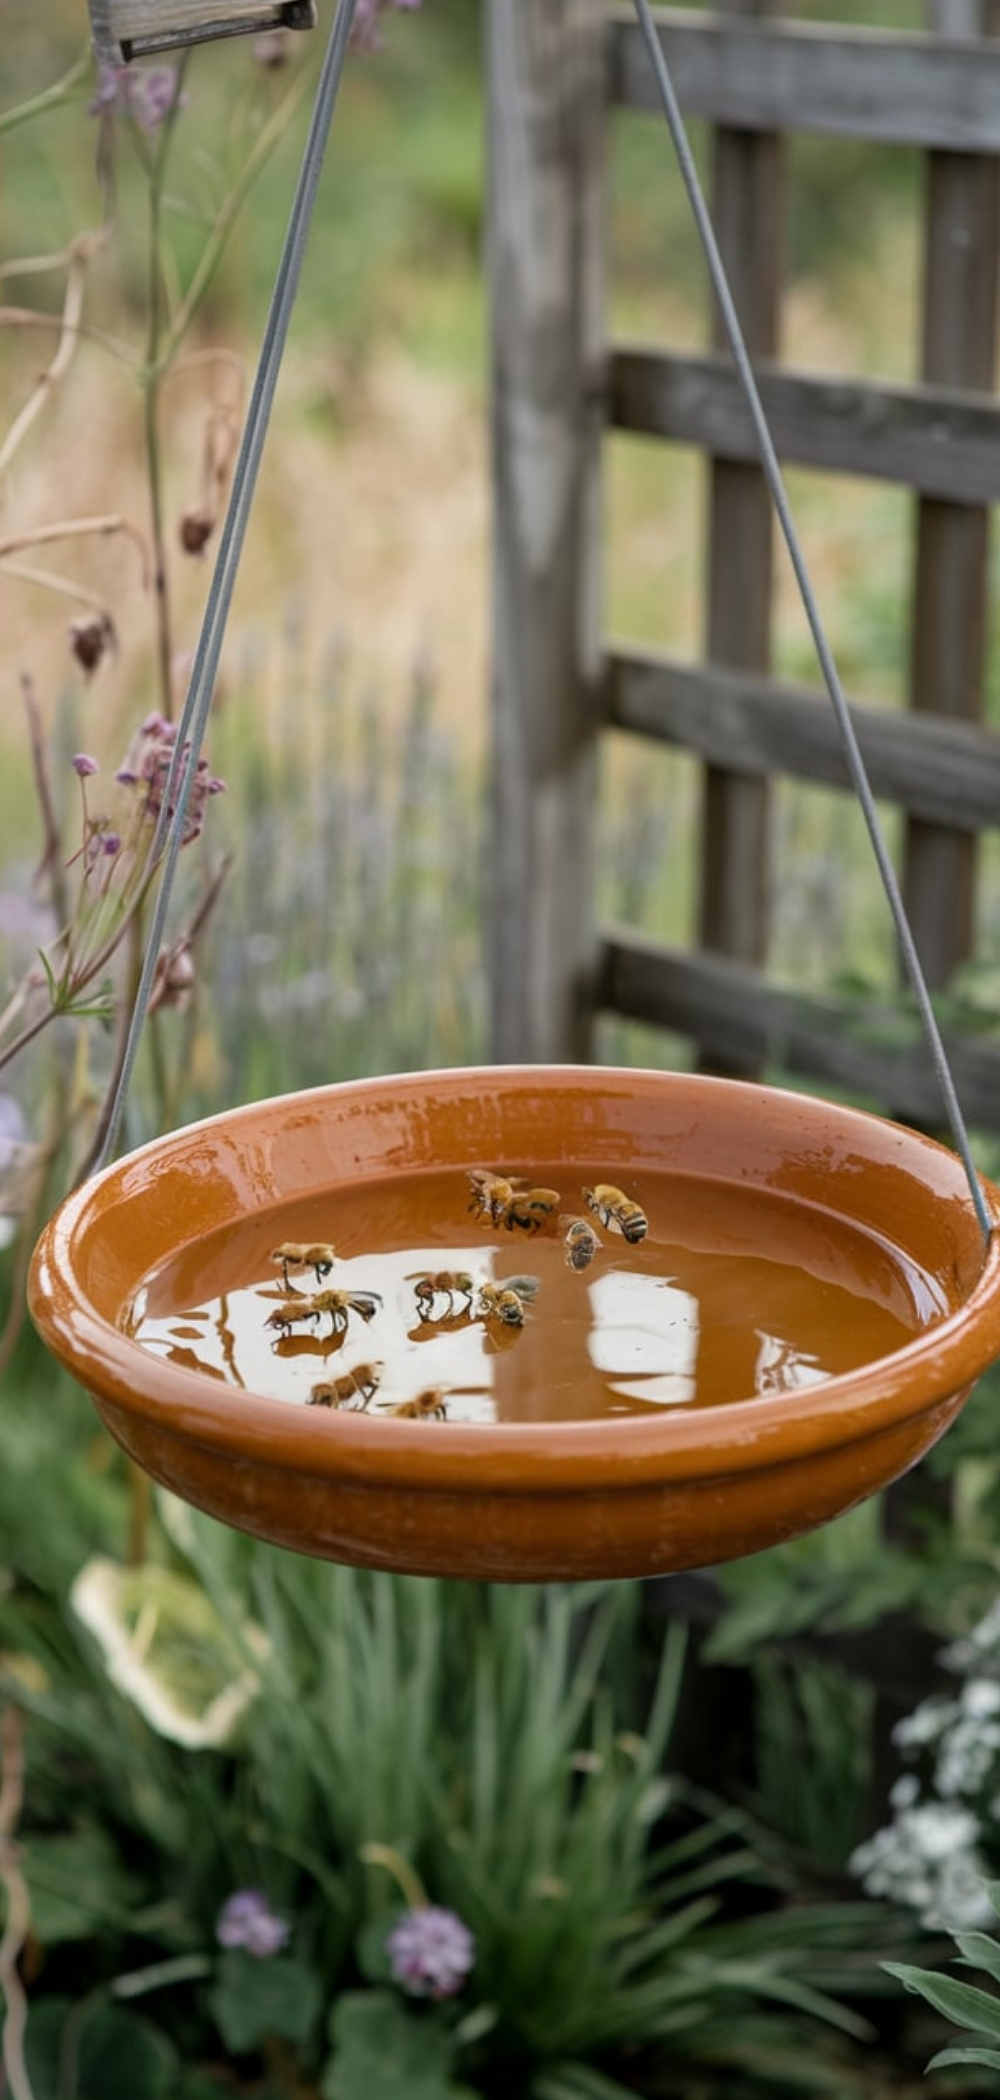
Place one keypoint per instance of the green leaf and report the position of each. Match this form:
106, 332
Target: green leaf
945, 2057
97, 2052
77, 1886
252, 1999
980, 1952
381, 2046
962, 2002
573, 2081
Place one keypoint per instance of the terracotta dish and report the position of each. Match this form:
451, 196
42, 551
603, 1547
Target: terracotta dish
526, 1497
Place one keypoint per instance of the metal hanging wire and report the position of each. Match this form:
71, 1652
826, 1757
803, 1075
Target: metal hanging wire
194, 717
779, 497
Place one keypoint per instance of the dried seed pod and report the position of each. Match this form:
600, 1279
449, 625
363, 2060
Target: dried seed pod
91, 635
196, 528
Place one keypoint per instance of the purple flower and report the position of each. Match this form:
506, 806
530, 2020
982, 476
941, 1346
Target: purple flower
110, 843
365, 31
146, 94
431, 1952
84, 765
247, 1920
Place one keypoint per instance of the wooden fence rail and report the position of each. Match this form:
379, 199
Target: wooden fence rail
559, 382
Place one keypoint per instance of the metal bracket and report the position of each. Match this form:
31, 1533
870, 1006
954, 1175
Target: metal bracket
127, 29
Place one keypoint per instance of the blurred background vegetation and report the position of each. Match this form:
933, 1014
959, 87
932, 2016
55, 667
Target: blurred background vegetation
692, 1822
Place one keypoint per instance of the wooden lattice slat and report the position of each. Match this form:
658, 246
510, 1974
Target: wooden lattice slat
945, 773
862, 84
936, 439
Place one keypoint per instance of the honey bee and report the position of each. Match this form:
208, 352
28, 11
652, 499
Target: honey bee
429, 1406
446, 1283
353, 1390
290, 1255
491, 1195
617, 1210
506, 1301
339, 1305
531, 1209
580, 1241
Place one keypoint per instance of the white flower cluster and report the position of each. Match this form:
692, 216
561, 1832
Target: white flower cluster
940, 1849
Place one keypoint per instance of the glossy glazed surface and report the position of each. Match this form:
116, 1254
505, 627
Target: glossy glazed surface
532, 1496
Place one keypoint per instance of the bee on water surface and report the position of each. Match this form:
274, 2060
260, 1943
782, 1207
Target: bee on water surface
291, 1255
506, 1301
615, 1209
428, 1406
530, 1210
338, 1304
353, 1390
491, 1195
443, 1283
580, 1241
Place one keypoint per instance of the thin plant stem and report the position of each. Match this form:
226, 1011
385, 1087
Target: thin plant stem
26, 317
82, 249
211, 254
152, 381
52, 97
18, 1904
75, 529
52, 863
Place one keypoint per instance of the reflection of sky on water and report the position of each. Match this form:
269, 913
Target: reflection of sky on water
644, 1336
229, 1339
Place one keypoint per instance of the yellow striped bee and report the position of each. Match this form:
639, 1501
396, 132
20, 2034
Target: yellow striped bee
291, 1255
506, 1301
427, 1407
353, 1390
338, 1304
580, 1241
444, 1283
491, 1195
615, 1209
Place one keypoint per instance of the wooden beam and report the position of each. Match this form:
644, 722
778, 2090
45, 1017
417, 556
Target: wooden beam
547, 119
940, 440
907, 90
946, 773
127, 29
731, 1013
951, 567
734, 847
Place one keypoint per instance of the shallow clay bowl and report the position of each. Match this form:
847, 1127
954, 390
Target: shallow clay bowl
626, 1495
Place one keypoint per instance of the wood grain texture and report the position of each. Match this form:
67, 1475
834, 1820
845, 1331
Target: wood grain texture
547, 121
939, 440
946, 773
132, 28
731, 1012
734, 846
908, 90
951, 565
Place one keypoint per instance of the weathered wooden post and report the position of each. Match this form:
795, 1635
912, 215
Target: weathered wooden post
747, 199
545, 258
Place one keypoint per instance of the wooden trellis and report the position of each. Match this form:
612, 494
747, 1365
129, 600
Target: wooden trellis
557, 68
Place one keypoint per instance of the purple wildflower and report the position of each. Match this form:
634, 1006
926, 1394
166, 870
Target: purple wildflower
247, 1920
148, 765
110, 843
84, 765
431, 1952
147, 94
365, 30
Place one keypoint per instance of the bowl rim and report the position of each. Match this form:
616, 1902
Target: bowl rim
937, 1365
